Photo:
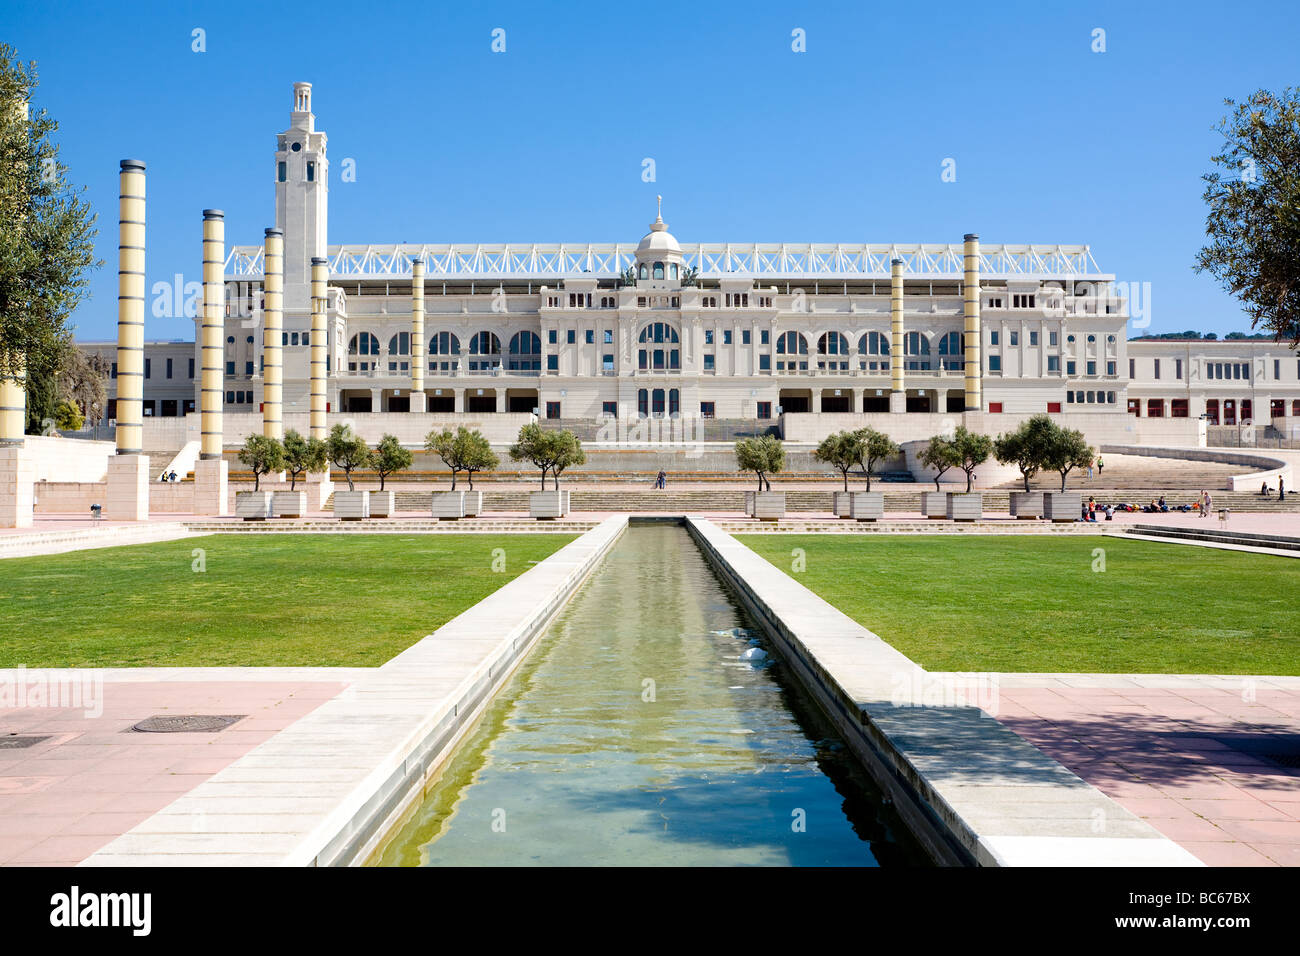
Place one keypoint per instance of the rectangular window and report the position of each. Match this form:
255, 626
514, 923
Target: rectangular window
995, 408
726, 337
1015, 338
1069, 368
744, 337
572, 337
1051, 338
230, 368
115, 371
551, 337
609, 409
1091, 367
169, 372
1155, 408
282, 173
552, 409
607, 363
1132, 368
1033, 337
708, 363
706, 410
1277, 368
1178, 369
708, 336
995, 363
764, 337
191, 368
146, 368
1156, 374
993, 337
591, 336
1054, 408
1110, 368
765, 362
1069, 398
1178, 408
552, 363
609, 336
1053, 363
311, 172
764, 409
248, 368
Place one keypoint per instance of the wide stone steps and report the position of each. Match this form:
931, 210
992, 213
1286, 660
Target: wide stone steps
1246, 539
395, 526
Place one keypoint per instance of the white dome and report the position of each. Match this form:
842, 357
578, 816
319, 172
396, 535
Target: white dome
658, 241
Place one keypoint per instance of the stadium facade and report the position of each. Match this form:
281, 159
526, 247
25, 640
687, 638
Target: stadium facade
662, 328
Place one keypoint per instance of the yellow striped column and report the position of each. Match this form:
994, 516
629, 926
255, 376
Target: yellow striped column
897, 387
971, 293
13, 400
214, 327
319, 278
130, 307
418, 348
272, 332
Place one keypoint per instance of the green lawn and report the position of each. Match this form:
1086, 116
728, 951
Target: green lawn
1034, 603
320, 600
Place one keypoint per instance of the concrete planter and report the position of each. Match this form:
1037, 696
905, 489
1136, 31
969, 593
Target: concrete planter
351, 505
382, 504
965, 506
934, 504
547, 505
448, 505
749, 503
253, 505
473, 503
769, 505
842, 503
1062, 505
867, 505
288, 504
1026, 504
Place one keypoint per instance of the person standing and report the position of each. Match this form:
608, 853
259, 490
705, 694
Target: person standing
1100, 465
1281, 489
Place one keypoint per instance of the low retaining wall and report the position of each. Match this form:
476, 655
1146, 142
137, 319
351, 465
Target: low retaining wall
328, 789
970, 789
1267, 469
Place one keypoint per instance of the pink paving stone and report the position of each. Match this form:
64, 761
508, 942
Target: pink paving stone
1154, 750
63, 799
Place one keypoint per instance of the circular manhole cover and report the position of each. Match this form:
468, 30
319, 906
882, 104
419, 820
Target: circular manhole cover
185, 723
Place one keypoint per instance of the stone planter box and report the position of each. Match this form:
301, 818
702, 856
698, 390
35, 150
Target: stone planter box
842, 503
934, 504
351, 505
965, 506
1026, 504
448, 505
769, 505
1062, 505
547, 505
867, 505
473, 503
382, 504
289, 504
253, 505
749, 503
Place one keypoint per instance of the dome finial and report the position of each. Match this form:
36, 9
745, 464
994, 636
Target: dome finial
659, 214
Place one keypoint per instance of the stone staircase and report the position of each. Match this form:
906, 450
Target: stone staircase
395, 526
1245, 539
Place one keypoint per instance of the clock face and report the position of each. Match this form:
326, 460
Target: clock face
296, 146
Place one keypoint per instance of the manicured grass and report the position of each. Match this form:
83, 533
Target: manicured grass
1030, 603
319, 600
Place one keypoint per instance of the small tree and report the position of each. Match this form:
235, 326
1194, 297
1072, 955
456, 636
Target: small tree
67, 416
347, 451
566, 450
840, 451
763, 455
971, 450
552, 451
1066, 450
389, 457
262, 455
302, 455
941, 454
462, 450
1025, 447
873, 446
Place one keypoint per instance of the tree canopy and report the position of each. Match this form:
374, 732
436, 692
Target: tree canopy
552, 451
347, 451
941, 455
764, 455
462, 450
1253, 220
1025, 447
840, 451
302, 455
970, 449
262, 455
389, 457
873, 446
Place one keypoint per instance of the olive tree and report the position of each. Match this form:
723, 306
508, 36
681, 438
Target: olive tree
941, 454
872, 447
1025, 447
389, 457
971, 450
840, 451
462, 450
302, 456
763, 455
550, 451
1066, 450
347, 450
262, 455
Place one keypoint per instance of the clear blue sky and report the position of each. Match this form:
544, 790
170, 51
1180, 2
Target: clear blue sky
752, 142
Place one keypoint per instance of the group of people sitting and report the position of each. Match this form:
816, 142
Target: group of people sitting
1159, 505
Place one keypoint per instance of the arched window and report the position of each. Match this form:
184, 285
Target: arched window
362, 352
672, 271
833, 352
642, 273
400, 344
659, 270
659, 359
250, 340
485, 351
791, 343
525, 352
916, 348
445, 349
950, 351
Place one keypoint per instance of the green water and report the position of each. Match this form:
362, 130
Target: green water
635, 734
